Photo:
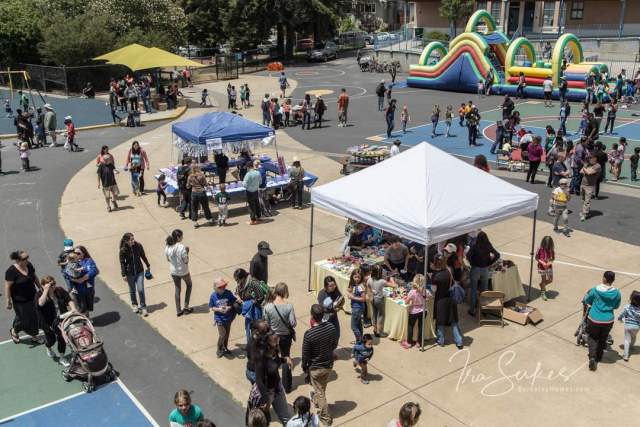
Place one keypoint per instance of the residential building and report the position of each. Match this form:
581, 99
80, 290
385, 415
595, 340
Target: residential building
595, 18
373, 12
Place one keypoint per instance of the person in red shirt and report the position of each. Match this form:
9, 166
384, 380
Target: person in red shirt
343, 105
71, 134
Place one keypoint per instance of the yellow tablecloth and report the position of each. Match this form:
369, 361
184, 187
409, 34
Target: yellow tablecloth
509, 282
396, 320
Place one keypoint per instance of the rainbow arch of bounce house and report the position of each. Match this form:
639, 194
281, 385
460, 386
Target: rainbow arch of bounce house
472, 54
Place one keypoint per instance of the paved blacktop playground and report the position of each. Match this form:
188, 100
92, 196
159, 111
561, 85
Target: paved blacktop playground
535, 117
34, 394
504, 376
85, 112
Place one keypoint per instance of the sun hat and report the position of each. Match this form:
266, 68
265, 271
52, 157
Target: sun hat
48, 106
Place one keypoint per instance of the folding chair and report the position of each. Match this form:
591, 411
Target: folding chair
491, 302
516, 163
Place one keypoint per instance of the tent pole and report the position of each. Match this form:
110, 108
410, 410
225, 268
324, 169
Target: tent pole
310, 249
424, 311
533, 242
275, 145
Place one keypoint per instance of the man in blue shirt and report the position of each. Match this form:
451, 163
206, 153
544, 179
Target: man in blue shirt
221, 304
251, 185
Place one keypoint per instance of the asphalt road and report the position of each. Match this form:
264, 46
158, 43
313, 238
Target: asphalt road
616, 216
151, 367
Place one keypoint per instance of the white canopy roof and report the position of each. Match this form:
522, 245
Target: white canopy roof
424, 195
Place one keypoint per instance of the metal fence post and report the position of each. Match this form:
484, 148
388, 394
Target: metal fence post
44, 80
66, 83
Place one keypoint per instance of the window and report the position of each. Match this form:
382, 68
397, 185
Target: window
577, 9
481, 5
370, 8
548, 11
496, 10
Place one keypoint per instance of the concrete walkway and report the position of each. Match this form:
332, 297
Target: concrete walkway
504, 376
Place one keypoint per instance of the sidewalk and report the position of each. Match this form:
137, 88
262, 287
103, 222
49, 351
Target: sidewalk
552, 377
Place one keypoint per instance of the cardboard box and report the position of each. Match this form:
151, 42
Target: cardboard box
531, 314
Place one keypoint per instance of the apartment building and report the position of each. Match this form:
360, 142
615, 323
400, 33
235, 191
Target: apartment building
596, 18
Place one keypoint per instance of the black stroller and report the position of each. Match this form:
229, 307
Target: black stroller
581, 333
88, 358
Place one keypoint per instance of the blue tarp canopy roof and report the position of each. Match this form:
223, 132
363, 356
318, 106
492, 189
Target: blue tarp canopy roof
228, 127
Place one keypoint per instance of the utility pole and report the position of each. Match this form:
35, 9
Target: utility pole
561, 18
623, 9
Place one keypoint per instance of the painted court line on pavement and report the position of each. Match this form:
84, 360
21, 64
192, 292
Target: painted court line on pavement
570, 264
136, 402
37, 408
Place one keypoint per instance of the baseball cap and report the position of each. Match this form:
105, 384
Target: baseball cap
264, 248
68, 118
220, 283
563, 181
68, 244
450, 248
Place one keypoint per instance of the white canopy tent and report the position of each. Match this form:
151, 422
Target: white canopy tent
424, 195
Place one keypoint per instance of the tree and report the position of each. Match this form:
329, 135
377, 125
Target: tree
150, 38
163, 16
349, 23
19, 31
75, 42
455, 10
204, 22
247, 22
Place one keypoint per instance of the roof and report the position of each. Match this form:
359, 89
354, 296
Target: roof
424, 195
226, 126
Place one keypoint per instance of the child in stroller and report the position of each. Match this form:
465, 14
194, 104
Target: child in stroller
88, 358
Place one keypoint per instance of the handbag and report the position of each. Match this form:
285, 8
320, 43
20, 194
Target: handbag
147, 274
456, 292
292, 332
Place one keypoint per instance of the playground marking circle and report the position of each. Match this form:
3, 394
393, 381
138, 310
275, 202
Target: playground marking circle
319, 72
314, 89
306, 73
319, 92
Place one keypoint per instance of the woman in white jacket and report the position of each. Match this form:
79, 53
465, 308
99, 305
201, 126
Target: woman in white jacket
178, 256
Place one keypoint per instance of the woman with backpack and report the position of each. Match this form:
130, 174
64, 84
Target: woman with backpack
445, 308
137, 160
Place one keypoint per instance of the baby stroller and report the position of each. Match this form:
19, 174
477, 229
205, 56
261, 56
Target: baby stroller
581, 333
88, 358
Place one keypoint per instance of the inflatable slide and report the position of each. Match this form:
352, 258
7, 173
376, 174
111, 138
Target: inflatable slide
482, 50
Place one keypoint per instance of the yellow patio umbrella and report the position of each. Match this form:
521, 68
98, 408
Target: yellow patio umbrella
137, 57
124, 54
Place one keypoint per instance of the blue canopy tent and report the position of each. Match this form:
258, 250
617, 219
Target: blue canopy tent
211, 131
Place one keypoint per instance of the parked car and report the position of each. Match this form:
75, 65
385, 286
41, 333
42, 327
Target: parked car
381, 36
265, 47
304, 45
323, 51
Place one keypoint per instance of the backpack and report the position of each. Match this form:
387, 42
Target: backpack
181, 177
264, 106
457, 293
380, 89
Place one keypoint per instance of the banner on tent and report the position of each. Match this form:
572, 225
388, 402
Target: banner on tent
216, 144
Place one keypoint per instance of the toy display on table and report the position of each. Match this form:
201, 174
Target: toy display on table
501, 265
368, 154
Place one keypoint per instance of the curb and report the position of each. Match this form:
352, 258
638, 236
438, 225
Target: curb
179, 112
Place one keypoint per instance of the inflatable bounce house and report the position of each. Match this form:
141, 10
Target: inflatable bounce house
482, 48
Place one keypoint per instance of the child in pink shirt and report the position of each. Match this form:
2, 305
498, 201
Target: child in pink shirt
415, 300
